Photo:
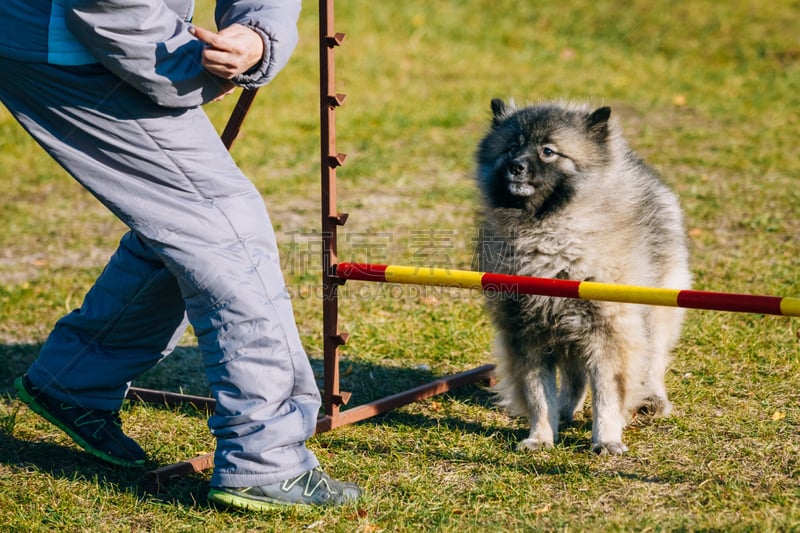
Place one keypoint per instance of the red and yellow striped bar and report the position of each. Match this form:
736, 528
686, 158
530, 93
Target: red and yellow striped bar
584, 290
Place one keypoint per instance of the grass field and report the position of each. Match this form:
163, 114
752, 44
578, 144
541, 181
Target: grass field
708, 92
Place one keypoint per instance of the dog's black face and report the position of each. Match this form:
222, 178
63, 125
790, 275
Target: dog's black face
533, 158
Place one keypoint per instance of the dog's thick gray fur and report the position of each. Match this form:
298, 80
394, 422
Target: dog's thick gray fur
566, 197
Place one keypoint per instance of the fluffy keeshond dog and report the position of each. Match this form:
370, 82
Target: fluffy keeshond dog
566, 197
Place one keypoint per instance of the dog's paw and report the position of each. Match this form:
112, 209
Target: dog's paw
655, 406
533, 445
609, 448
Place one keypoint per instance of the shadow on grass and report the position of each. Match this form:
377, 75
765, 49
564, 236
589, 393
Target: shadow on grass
14, 360
70, 463
182, 372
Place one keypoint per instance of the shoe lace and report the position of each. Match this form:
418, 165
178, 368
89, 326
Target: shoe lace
95, 416
311, 486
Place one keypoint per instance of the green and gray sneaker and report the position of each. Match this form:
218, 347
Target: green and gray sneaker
96, 431
313, 487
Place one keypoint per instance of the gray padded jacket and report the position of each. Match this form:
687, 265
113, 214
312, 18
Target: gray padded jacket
145, 42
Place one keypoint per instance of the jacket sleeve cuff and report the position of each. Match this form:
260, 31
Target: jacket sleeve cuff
261, 73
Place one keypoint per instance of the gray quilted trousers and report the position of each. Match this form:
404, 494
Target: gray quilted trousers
201, 247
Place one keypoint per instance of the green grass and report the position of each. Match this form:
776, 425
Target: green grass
709, 94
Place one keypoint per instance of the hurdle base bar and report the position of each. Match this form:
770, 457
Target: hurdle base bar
170, 399
422, 392
159, 477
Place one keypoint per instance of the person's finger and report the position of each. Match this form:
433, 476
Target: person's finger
222, 63
210, 38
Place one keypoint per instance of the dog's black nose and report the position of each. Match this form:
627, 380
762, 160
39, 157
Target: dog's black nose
517, 167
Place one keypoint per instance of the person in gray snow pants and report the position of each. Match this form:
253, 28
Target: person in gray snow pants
200, 250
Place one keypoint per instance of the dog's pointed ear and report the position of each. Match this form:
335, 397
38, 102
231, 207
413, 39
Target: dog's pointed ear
498, 107
597, 123
500, 110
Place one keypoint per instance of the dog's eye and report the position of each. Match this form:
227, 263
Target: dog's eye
548, 153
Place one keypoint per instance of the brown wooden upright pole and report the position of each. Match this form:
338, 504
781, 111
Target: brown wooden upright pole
333, 398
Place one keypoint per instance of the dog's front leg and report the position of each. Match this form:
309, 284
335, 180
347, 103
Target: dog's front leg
608, 394
541, 396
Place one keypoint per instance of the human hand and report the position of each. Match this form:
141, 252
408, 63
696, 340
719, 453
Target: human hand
231, 51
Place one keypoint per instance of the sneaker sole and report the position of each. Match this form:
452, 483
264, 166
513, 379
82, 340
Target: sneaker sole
44, 413
227, 499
